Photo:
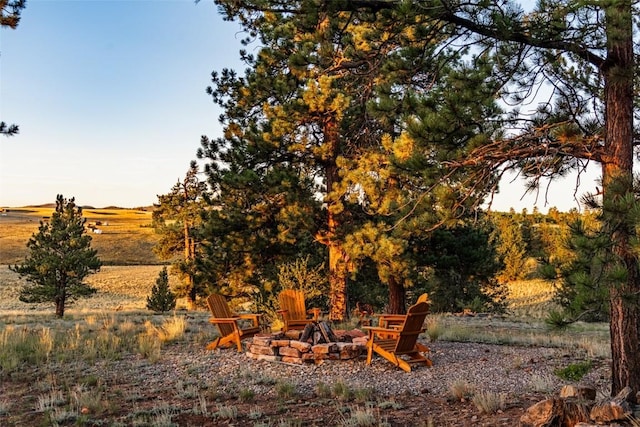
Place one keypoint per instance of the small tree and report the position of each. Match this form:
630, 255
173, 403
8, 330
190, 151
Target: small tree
162, 298
60, 258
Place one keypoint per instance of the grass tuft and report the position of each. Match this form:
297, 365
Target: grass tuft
488, 402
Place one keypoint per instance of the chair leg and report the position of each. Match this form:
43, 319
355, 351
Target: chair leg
214, 344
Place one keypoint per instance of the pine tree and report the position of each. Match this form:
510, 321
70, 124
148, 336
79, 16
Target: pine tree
585, 53
511, 246
462, 262
162, 298
10, 11
60, 257
332, 99
177, 218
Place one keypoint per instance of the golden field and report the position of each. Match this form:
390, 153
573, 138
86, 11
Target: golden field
126, 237
125, 246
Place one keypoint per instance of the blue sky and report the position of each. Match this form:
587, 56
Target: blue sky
110, 99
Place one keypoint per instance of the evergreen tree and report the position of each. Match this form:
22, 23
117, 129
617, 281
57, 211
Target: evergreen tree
60, 257
10, 11
585, 53
162, 298
177, 218
261, 214
583, 290
292, 107
463, 264
510, 246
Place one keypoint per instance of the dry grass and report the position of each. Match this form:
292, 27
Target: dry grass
126, 239
119, 288
532, 299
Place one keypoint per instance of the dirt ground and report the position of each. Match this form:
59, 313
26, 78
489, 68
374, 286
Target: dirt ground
189, 386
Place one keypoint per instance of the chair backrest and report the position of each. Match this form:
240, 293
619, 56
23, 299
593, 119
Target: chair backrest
412, 327
293, 301
219, 308
423, 298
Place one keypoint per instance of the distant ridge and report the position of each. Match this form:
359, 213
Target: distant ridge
53, 206
46, 205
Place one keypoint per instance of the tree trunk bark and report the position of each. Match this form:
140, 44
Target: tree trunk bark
397, 297
617, 177
188, 258
338, 262
60, 301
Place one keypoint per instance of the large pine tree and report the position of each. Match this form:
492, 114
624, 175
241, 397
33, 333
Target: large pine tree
332, 94
584, 53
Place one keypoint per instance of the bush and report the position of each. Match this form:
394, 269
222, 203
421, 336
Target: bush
575, 371
162, 298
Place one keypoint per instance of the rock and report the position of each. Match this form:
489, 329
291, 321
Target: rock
361, 341
292, 334
267, 357
289, 352
302, 346
259, 349
294, 360
589, 425
262, 340
349, 350
580, 392
615, 409
324, 348
547, 413
576, 411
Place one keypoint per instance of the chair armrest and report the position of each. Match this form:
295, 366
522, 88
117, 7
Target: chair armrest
391, 316
255, 318
224, 319
249, 316
376, 329
385, 319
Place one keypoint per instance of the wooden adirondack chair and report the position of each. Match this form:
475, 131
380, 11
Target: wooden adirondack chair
396, 320
293, 311
228, 323
400, 346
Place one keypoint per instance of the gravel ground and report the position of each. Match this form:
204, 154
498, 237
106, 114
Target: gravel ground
494, 368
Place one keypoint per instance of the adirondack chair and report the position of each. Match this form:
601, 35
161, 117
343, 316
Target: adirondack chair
400, 346
396, 320
293, 311
229, 323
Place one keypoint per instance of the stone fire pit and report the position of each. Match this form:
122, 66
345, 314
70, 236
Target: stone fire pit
288, 348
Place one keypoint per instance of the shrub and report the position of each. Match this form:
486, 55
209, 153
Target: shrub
575, 371
162, 298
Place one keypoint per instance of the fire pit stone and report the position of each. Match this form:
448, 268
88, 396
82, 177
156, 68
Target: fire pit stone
315, 344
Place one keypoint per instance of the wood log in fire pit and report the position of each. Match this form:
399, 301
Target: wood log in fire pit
318, 333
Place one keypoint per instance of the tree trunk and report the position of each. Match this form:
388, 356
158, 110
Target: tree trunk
188, 258
617, 169
338, 261
397, 297
60, 301
337, 283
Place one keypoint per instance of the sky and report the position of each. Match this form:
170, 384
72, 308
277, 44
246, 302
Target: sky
110, 99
